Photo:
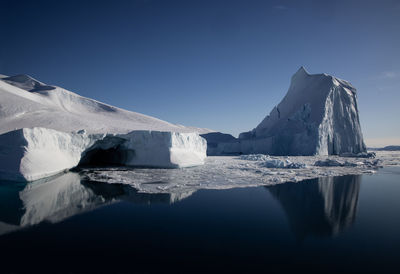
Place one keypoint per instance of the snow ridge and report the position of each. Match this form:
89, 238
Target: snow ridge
57, 108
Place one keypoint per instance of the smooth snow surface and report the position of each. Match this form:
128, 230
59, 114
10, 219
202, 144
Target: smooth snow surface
318, 116
26, 103
31, 154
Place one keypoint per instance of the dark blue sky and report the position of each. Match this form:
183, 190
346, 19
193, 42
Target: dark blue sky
216, 64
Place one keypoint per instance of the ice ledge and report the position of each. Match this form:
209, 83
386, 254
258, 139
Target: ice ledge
30, 154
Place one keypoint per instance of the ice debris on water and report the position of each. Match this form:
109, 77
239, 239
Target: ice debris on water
271, 162
359, 155
336, 163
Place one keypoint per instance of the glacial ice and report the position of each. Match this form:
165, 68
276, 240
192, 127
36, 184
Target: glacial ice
59, 197
26, 103
318, 116
46, 129
272, 162
221, 144
224, 172
149, 149
33, 153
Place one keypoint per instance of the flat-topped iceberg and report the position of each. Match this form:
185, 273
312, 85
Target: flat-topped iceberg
30, 154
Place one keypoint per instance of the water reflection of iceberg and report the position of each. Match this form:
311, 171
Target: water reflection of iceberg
319, 207
23, 205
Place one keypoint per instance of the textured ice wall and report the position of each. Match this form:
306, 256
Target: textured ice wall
33, 153
318, 116
163, 149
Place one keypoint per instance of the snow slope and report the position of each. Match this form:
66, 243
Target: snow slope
318, 116
45, 130
26, 103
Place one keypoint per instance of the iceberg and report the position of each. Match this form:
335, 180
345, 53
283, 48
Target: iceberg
46, 130
26, 103
34, 153
30, 154
221, 144
318, 116
148, 149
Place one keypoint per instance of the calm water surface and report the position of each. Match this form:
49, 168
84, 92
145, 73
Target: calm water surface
341, 224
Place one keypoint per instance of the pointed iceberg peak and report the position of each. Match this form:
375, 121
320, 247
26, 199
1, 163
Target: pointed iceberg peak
301, 73
317, 116
303, 69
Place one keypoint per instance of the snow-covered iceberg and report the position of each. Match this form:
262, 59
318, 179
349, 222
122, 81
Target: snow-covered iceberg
33, 153
318, 116
46, 129
26, 103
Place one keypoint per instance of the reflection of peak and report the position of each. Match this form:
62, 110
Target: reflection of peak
320, 207
341, 199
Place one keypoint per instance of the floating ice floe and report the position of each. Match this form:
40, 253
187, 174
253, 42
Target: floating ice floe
337, 163
223, 172
272, 162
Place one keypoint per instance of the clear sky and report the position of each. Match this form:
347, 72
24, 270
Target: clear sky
217, 64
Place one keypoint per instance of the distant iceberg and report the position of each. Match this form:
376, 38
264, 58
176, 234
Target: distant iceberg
318, 116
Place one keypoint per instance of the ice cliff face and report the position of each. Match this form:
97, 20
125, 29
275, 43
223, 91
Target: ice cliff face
33, 153
46, 129
318, 116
